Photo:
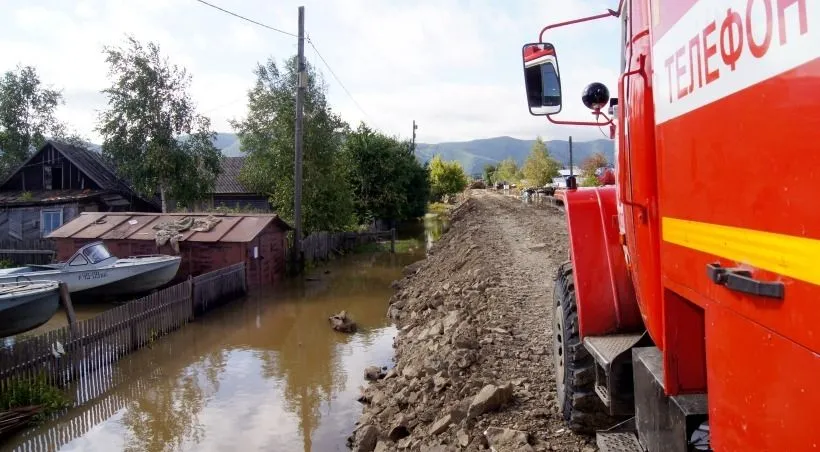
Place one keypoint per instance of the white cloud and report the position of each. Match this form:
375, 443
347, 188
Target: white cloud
453, 66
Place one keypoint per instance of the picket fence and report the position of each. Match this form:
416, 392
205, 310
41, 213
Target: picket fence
83, 352
321, 246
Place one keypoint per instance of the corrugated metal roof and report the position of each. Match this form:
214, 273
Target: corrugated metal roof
227, 182
140, 226
92, 164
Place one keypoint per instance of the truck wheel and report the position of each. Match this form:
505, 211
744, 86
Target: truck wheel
580, 406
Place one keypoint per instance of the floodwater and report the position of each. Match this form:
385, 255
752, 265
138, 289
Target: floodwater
429, 229
265, 373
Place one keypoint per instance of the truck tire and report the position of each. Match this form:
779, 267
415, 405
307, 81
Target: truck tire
580, 406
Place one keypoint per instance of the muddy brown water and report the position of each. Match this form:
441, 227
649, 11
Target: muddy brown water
263, 373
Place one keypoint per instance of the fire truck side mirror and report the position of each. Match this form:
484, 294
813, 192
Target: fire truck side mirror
542, 79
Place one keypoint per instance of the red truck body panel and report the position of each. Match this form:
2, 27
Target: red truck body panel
717, 163
737, 127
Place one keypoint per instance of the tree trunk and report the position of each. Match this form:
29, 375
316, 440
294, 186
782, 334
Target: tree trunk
162, 197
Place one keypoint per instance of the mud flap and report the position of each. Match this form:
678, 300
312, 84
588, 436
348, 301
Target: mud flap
664, 424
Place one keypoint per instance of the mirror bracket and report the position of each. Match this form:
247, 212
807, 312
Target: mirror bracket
607, 14
641, 70
584, 123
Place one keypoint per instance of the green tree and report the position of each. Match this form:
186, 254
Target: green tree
489, 173
446, 178
267, 137
387, 180
151, 129
588, 168
507, 171
26, 115
540, 167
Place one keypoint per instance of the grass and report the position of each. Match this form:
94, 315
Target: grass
438, 208
6, 263
37, 392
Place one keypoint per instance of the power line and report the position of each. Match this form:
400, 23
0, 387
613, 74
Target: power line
338, 80
309, 41
247, 19
238, 99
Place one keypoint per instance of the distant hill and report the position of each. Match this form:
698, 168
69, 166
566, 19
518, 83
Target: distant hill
474, 154
229, 144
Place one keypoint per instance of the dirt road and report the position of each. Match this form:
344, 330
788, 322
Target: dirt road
474, 359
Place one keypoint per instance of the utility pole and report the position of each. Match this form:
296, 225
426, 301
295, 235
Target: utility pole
415, 127
297, 177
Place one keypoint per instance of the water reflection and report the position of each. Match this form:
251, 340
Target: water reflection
434, 226
266, 373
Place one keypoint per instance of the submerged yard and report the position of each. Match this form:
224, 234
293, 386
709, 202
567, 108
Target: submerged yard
262, 371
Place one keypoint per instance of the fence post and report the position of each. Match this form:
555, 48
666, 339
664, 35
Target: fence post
191, 296
65, 300
244, 278
132, 322
393, 240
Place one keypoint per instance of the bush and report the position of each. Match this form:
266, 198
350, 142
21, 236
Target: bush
446, 178
33, 392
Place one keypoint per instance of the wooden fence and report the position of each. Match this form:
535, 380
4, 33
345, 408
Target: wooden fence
321, 246
74, 352
22, 252
214, 288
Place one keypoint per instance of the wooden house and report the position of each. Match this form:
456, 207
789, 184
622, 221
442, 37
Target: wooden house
259, 240
57, 184
230, 192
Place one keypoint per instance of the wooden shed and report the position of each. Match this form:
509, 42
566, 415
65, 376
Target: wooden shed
259, 240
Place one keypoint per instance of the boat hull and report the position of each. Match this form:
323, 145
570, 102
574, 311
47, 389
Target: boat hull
27, 311
138, 283
123, 277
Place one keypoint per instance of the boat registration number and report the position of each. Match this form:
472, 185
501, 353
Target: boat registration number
91, 275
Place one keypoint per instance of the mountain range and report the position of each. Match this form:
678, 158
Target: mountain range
474, 154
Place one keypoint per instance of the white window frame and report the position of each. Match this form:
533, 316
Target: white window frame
43, 223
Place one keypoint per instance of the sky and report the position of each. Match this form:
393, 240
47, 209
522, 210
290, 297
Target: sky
453, 66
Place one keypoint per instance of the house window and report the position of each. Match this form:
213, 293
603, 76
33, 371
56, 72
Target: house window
50, 220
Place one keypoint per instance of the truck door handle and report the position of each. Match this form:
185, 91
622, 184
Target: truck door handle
741, 280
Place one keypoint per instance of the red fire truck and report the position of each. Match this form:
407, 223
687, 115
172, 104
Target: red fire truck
688, 315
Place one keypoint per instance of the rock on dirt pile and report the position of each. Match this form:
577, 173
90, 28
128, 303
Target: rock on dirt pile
473, 357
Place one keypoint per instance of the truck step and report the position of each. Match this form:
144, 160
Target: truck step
618, 442
613, 369
606, 348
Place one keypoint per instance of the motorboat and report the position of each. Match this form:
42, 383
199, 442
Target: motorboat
94, 271
27, 305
